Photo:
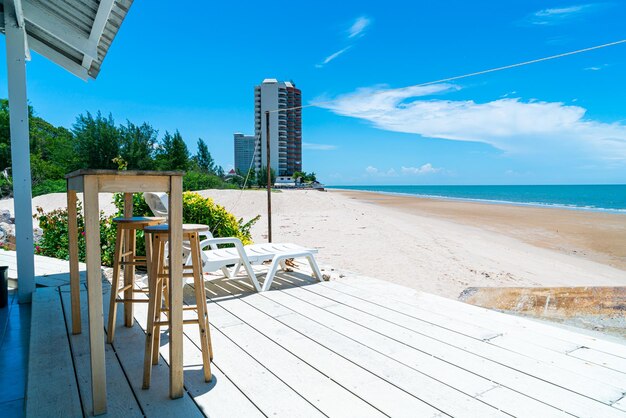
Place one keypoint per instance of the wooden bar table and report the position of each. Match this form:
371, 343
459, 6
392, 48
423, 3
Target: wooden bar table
91, 183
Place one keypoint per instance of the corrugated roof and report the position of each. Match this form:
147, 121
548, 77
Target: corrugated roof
75, 34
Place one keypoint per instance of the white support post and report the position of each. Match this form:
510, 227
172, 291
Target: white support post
20, 152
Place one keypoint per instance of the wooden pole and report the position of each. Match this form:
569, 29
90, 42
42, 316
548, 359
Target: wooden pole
269, 176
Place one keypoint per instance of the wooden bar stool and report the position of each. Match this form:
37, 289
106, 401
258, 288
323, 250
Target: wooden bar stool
158, 289
126, 256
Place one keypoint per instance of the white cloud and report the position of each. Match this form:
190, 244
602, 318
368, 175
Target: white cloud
423, 169
373, 171
509, 124
356, 30
358, 27
596, 67
318, 147
554, 16
332, 57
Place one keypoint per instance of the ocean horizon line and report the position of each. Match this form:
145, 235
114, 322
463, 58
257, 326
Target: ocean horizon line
609, 198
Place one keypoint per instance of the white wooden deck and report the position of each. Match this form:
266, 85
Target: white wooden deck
49, 272
356, 347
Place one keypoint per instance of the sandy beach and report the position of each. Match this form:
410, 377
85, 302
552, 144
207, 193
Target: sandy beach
436, 246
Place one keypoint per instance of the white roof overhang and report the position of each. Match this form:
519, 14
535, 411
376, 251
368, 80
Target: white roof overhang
74, 34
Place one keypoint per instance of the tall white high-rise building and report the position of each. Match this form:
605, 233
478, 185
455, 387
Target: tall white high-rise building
285, 126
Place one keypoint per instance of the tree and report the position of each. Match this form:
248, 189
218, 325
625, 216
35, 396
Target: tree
96, 141
137, 145
173, 153
251, 177
304, 176
219, 171
5, 136
204, 159
298, 175
262, 177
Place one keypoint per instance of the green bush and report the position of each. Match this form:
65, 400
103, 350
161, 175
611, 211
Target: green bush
49, 186
201, 210
196, 180
54, 241
196, 209
6, 188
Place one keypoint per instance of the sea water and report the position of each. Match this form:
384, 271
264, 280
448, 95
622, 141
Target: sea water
601, 197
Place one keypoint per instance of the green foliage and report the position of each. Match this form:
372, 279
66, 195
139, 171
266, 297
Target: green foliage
140, 207
97, 141
195, 180
201, 210
49, 186
137, 144
262, 177
196, 209
5, 138
54, 241
305, 177
173, 153
6, 187
51, 148
240, 178
203, 158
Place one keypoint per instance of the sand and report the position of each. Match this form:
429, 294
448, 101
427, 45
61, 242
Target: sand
436, 246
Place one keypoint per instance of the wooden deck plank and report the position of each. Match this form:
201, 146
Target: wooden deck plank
600, 375
353, 348
401, 346
155, 402
621, 404
597, 357
562, 360
376, 391
221, 397
121, 401
327, 395
445, 398
442, 363
544, 332
272, 396
51, 389
451, 347
43, 265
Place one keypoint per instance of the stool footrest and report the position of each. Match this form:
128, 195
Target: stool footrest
129, 286
133, 263
122, 300
185, 322
166, 311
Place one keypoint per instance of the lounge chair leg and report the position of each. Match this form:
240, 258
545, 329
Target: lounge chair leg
270, 274
315, 268
226, 272
235, 270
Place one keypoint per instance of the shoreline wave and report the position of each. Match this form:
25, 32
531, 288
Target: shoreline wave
587, 208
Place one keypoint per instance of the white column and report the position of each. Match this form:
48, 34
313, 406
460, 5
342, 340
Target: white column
20, 152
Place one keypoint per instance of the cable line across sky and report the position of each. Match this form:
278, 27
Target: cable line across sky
491, 70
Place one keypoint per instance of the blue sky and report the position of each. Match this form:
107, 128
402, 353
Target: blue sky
194, 69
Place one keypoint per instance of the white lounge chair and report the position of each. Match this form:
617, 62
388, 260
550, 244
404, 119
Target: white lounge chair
214, 258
